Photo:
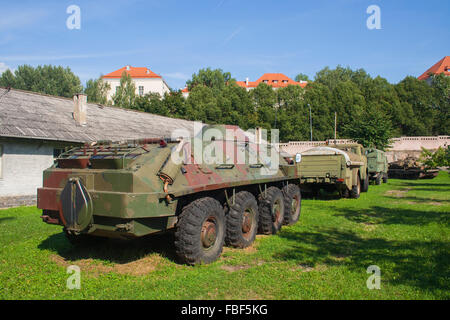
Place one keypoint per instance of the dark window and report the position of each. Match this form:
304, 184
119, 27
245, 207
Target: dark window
57, 152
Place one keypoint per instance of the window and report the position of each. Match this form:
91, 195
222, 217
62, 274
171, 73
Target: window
57, 152
265, 81
275, 81
141, 90
285, 81
1, 162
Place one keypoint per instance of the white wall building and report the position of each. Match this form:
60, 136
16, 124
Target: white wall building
145, 80
35, 128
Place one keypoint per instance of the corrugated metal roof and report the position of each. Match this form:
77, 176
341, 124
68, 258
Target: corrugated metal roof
26, 114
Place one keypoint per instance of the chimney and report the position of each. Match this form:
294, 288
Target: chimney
246, 81
80, 108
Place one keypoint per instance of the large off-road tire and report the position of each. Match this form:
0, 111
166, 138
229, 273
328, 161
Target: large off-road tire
356, 190
378, 180
242, 220
271, 210
385, 178
292, 204
200, 231
365, 184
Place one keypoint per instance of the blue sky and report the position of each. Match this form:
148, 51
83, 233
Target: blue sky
246, 38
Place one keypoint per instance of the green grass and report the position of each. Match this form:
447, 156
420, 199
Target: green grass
402, 227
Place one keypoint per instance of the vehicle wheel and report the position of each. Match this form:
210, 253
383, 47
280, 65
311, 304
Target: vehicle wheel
292, 204
344, 192
356, 190
200, 231
271, 210
242, 221
365, 184
385, 178
378, 180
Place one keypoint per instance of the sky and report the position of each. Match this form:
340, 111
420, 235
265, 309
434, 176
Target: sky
246, 38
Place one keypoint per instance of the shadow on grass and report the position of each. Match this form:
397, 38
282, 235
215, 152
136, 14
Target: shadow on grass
111, 250
384, 215
420, 264
4, 219
420, 199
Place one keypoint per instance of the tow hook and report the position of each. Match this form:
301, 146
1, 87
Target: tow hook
124, 227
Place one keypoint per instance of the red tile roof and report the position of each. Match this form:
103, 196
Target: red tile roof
276, 80
134, 72
443, 66
185, 90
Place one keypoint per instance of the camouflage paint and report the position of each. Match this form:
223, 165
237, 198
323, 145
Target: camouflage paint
134, 186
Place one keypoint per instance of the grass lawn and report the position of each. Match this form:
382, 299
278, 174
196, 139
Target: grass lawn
402, 227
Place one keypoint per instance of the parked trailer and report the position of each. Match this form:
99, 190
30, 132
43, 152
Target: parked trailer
142, 187
333, 168
377, 165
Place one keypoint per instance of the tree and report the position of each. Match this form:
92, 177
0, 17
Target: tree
97, 90
125, 95
301, 77
441, 87
372, 129
417, 97
7, 79
53, 80
439, 158
318, 97
331, 78
215, 79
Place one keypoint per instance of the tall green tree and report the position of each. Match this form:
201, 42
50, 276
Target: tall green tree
212, 78
97, 91
372, 129
301, 77
125, 95
53, 80
441, 88
417, 97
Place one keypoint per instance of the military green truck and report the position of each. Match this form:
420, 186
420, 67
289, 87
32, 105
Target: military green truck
377, 165
142, 187
338, 167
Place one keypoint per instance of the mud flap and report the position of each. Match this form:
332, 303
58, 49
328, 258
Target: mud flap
76, 207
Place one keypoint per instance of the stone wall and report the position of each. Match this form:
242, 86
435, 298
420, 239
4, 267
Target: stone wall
17, 201
401, 147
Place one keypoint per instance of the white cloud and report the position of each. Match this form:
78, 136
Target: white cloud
3, 67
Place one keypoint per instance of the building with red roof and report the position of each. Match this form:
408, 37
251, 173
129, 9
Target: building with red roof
145, 80
275, 80
442, 66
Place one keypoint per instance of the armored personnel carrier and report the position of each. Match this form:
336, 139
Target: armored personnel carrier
377, 165
141, 187
340, 167
410, 168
